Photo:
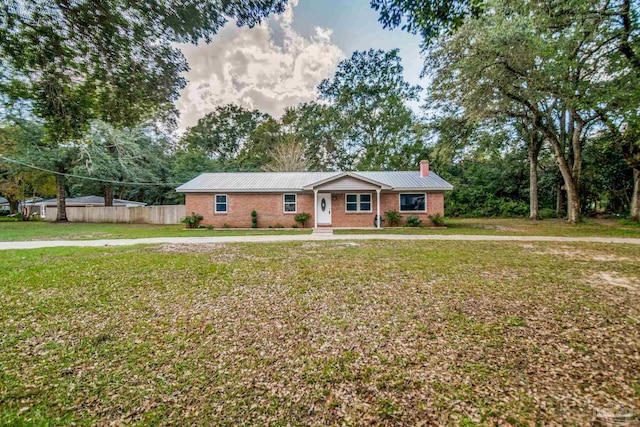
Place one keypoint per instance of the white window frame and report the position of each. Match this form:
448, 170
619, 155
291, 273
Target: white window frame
358, 202
284, 203
407, 192
215, 204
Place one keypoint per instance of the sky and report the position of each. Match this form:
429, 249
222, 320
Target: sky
280, 63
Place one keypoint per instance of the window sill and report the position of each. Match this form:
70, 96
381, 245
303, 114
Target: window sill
220, 213
359, 212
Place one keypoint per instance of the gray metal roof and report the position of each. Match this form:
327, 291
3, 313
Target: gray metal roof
408, 179
3, 200
296, 181
89, 200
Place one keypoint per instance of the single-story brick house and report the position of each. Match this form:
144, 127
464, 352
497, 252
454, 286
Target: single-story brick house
334, 199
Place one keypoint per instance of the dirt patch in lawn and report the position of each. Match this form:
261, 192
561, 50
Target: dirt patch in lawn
177, 248
572, 253
80, 236
613, 278
220, 253
501, 228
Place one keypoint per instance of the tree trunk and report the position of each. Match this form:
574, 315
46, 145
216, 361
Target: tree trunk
561, 200
108, 196
569, 168
573, 203
573, 197
60, 198
13, 206
635, 198
534, 213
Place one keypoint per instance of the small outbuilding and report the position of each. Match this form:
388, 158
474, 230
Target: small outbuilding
84, 201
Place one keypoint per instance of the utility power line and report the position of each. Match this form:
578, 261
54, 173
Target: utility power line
89, 178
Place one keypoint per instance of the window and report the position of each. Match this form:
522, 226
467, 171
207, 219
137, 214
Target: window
413, 202
358, 203
221, 203
290, 203
352, 202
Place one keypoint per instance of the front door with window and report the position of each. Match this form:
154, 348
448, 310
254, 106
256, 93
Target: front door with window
324, 208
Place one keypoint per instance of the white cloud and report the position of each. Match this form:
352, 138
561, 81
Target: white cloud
269, 67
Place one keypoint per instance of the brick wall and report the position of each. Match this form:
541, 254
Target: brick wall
239, 206
270, 209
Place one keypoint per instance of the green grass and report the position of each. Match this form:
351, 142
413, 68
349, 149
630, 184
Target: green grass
41, 230
517, 226
319, 333
13, 230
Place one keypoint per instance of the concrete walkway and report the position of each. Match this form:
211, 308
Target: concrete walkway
34, 244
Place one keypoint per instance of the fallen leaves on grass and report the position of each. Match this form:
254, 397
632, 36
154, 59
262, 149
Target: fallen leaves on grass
386, 333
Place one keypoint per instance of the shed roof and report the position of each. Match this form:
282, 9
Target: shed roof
297, 181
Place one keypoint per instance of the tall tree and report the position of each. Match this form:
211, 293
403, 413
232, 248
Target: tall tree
256, 153
618, 110
223, 132
370, 96
492, 65
117, 61
316, 127
113, 155
609, 32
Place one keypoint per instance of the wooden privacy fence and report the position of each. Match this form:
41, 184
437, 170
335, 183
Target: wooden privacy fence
165, 214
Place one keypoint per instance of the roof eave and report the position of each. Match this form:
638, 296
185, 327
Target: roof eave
423, 188
245, 190
299, 190
342, 175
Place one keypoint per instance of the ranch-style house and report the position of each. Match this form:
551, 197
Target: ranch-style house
334, 199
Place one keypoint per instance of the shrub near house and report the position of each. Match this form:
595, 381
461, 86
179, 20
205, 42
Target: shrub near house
334, 199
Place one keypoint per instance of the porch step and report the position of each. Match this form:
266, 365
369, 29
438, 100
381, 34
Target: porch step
323, 231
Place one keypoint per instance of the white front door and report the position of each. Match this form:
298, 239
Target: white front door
324, 208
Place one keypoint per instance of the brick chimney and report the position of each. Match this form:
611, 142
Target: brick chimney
424, 168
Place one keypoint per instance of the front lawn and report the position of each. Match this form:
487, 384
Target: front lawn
320, 333
14, 230
517, 227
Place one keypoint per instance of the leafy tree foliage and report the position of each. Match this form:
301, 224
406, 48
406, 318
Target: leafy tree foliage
120, 155
491, 67
222, 133
428, 18
17, 183
256, 153
369, 94
316, 127
100, 59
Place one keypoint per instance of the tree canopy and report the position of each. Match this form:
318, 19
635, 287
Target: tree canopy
117, 61
369, 96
